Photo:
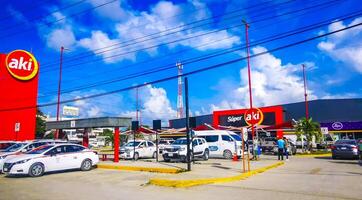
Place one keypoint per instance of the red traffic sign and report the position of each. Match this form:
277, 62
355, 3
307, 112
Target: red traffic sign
253, 116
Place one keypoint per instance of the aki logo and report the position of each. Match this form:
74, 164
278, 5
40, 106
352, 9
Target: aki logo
22, 65
253, 116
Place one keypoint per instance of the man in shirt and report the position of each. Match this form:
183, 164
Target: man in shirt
281, 145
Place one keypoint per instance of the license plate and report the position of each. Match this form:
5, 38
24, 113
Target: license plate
170, 155
343, 148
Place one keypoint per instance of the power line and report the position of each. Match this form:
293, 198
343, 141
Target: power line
212, 55
182, 39
56, 21
47, 15
170, 29
185, 50
189, 73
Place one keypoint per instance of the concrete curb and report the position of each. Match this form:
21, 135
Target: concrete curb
314, 155
195, 182
143, 169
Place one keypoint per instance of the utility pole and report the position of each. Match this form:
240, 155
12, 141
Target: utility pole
306, 102
249, 79
180, 107
59, 87
187, 125
305, 93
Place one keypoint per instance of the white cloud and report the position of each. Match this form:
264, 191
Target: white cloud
342, 46
272, 84
110, 105
113, 11
61, 37
134, 32
156, 104
100, 40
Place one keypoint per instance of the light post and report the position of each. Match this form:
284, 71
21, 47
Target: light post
306, 103
249, 78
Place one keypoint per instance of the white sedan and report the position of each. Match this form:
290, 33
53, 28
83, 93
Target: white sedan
48, 158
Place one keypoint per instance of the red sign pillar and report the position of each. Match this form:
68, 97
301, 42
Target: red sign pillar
18, 95
116, 144
86, 137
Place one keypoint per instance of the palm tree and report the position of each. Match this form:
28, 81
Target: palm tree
310, 129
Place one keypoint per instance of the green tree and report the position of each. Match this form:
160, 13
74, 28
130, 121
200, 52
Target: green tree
109, 136
40, 123
309, 129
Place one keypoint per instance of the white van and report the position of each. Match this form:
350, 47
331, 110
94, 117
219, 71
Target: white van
222, 144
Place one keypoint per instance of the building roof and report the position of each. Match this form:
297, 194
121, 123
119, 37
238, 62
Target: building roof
321, 110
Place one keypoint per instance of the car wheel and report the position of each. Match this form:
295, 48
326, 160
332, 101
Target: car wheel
206, 155
36, 170
154, 155
227, 154
86, 165
136, 156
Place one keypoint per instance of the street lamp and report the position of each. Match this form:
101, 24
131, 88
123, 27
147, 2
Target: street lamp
59, 86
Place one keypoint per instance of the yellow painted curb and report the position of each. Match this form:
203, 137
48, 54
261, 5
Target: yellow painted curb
144, 169
314, 155
190, 183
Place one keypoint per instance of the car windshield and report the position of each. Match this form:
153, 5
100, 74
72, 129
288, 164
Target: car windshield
163, 142
236, 137
180, 142
132, 144
40, 149
15, 147
6, 145
346, 142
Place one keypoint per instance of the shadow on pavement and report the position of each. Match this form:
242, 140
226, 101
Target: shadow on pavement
45, 174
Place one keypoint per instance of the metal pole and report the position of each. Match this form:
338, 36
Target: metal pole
243, 149
157, 146
249, 79
306, 101
305, 93
134, 144
59, 87
187, 124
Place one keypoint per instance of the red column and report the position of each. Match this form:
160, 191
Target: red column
85, 138
116, 144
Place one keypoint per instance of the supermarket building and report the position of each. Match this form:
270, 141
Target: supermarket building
341, 117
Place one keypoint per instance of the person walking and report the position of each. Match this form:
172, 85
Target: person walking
286, 148
281, 145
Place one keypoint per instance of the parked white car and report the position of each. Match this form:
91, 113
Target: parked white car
23, 147
144, 149
178, 150
222, 144
163, 143
49, 158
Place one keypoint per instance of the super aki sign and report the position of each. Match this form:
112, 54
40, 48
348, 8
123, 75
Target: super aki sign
21, 65
253, 116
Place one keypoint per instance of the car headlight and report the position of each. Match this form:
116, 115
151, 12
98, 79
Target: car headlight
2, 157
22, 161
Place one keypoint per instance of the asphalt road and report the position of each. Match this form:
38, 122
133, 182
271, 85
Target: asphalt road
299, 178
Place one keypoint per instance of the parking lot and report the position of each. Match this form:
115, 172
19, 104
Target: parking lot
299, 178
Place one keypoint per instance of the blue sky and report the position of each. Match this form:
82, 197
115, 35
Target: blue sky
108, 40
